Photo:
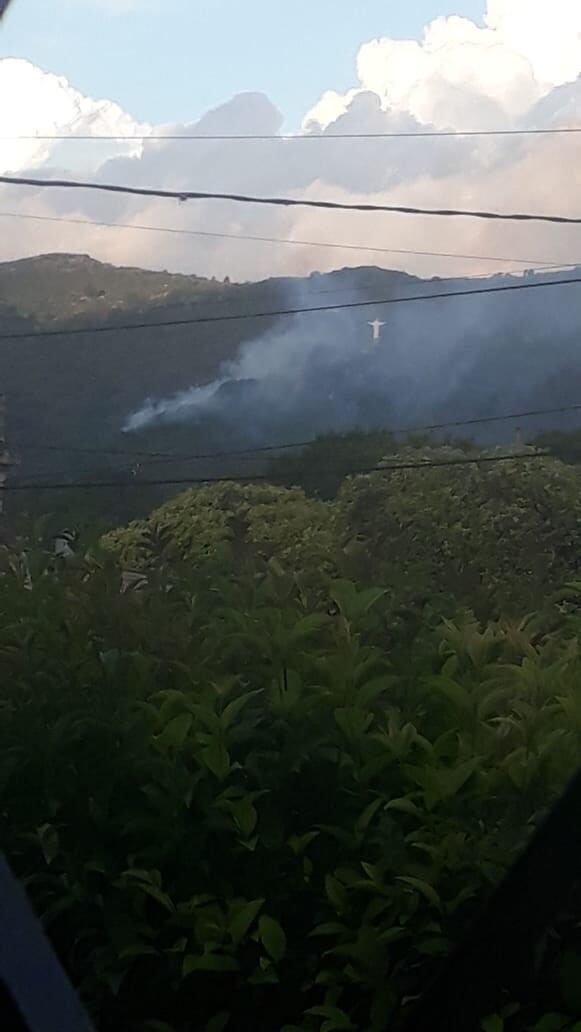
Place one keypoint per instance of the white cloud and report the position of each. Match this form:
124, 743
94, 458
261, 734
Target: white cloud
328, 109
547, 34
459, 75
43, 104
527, 48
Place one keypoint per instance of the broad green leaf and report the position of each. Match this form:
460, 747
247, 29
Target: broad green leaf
365, 818
272, 937
368, 598
299, 843
405, 805
160, 897
218, 962
243, 919
421, 886
335, 892
353, 721
371, 690
231, 711
49, 842
175, 732
209, 718
245, 815
553, 1023
218, 1023
217, 759
455, 692
492, 1024
336, 1019
308, 626
330, 928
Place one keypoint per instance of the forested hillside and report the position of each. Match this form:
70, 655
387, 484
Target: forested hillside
265, 380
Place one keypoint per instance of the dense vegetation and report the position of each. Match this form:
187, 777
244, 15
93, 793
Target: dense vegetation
268, 786
496, 538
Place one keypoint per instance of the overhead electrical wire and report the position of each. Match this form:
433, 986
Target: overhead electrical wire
528, 262
294, 137
286, 445
284, 202
235, 317
259, 477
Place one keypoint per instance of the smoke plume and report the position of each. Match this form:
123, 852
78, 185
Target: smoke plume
442, 359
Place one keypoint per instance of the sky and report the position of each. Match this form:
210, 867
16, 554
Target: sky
122, 68
171, 60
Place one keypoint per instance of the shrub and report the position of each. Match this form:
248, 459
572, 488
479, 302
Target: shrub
234, 810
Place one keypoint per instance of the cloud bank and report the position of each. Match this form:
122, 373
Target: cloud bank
520, 69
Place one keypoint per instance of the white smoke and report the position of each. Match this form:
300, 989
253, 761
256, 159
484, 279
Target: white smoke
437, 360
181, 406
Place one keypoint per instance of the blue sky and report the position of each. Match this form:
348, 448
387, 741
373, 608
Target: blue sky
171, 60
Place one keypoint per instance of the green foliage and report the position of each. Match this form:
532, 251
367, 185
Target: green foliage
321, 467
269, 786
235, 810
231, 522
497, 537
566, 445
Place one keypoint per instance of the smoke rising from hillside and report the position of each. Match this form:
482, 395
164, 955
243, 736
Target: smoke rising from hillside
454, 358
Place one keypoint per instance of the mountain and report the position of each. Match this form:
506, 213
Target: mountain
52, 288
80, 389
249, 379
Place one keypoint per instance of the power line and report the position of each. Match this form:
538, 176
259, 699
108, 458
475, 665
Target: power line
528, 262
285, 202
298, 137
452, 424
284, 446
235, 317
260, 477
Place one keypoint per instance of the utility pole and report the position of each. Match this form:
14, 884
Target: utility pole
518, 442
6, 460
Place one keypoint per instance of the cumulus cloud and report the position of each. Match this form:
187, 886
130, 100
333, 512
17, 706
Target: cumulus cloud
547, 34
521, 68
43, 104
460, 74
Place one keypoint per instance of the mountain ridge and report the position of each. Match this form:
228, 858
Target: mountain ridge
287, 377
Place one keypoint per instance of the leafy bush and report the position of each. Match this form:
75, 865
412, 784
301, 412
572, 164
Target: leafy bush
233, 520
236, 810
496, 537
321, 467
